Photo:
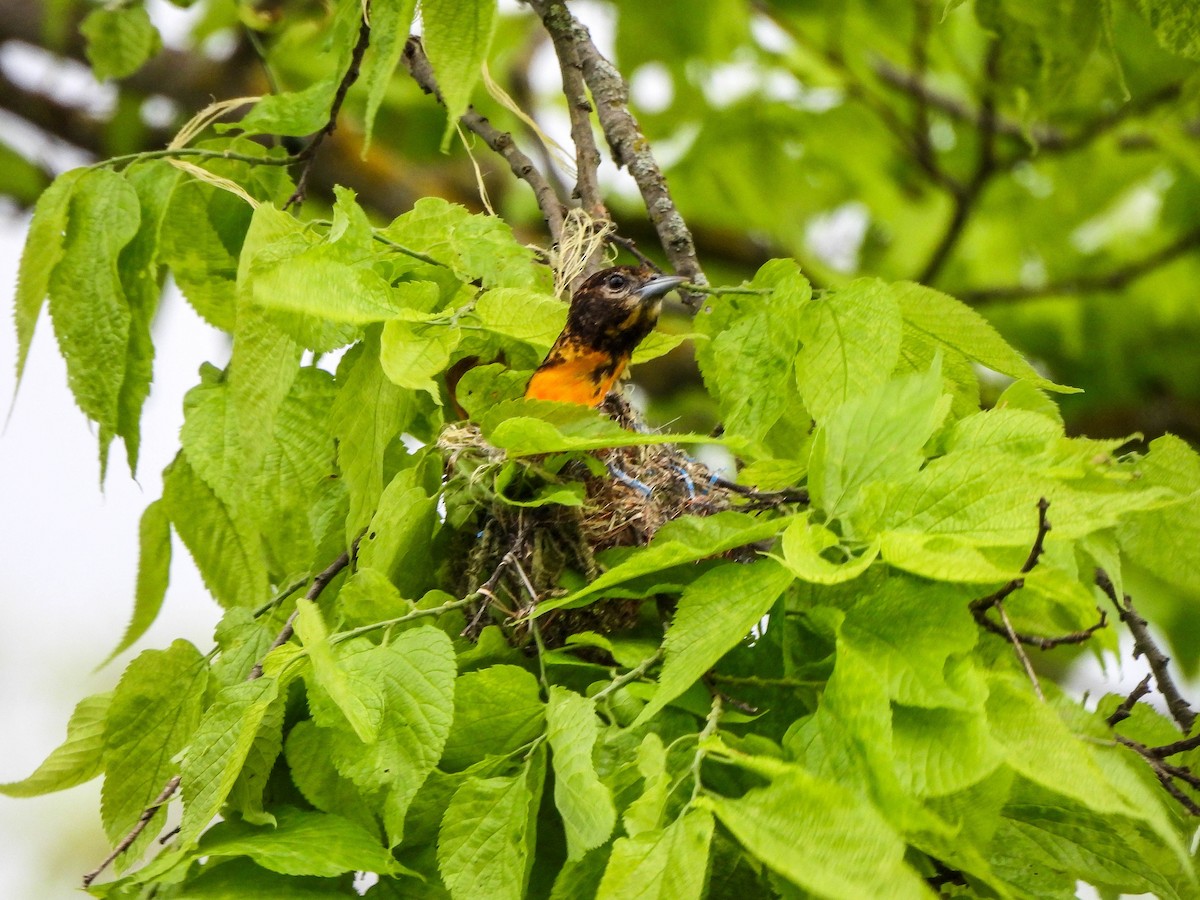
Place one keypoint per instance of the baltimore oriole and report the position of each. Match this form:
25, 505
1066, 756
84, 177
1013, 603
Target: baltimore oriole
610, 314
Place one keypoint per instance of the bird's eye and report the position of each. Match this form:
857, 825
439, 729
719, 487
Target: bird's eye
616, 281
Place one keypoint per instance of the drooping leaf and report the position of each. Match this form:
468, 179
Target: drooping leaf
663, 864
457, 36
119, 40
154, 564
497, 710
77, 760
584, 802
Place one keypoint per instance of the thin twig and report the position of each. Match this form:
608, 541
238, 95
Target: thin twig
1113, 280
500, 142
143, 820
625, 138
1166, 774
307, 155
632, 675
631, 248
967, 195
320, 582
1144, 645
1122, 712
1019, 649
1183, 746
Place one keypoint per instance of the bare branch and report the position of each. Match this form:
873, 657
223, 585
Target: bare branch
306, 155
625, 138
1166, 774
1144, 645
1122, 712
501, 142
143, 820
319, 584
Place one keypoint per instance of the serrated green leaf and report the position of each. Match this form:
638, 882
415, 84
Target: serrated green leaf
873, 437
309, 754
357, 699
851, 343
485, 837
497, 710
154, 569
397, 540
77, 760
119, 40
412, 353
820, 837
528, 427
716, 612
584, 802
664, 864
457, 35
302, 843
88, 305
412, 680
686, 539
942, 320
227, 551
390, 21
748, 363
154, 713
42, 252
367, 415
942, 751
218, 750
808, 551
522, 315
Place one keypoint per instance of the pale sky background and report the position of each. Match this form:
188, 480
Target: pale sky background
70, 548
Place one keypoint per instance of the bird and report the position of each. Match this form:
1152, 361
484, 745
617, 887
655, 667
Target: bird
610, 313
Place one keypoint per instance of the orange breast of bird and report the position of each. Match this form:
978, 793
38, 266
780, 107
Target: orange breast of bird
576, 373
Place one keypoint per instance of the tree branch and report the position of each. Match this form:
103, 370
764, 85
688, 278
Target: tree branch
1105, 281
501, 142
305, 156
965, 197
629, 146
143, 820
1122, 712
320, 582
1144, 645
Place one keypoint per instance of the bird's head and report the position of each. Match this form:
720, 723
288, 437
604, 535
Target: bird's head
615, 308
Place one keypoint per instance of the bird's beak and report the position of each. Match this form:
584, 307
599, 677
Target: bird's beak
659, 285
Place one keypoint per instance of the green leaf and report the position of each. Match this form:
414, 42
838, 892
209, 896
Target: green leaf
88, 305
412, 353
76, 760
715, 614
227, 551
359, 702
302, 843
497, 711
821, 837
943, 321
520, 314
877, 436
154, 569
664, 864
411, 679
397, 540
486, 835
309, 759
808, 551
43, 250
686, 539
154, 713
457, 35
1176, 24
851, 343
139, 269
390, 21
529, 427
583, 801
748, 363
942, 751
219, 749
119, 40
473, 247
368, 413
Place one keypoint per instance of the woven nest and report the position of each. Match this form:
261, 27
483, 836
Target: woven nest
518, 556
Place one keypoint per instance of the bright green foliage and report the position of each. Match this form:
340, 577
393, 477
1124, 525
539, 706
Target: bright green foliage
770, 696
120, 39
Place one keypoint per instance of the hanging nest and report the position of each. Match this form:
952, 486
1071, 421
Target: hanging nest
516, 556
